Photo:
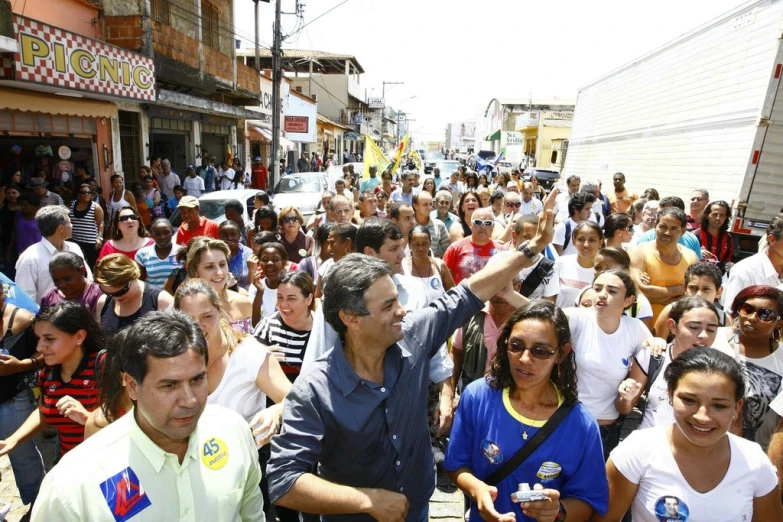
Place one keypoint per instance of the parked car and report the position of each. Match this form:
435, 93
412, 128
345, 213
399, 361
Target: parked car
302, 190
446, 167
546, 177
212, 203
504, 167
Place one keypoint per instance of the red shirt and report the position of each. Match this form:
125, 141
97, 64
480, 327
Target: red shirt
82, 387
465, 259
108, 248
259, 177
206, 227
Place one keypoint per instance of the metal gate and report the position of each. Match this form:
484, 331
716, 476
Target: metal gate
129, 143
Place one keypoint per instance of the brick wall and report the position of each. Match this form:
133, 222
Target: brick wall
123, 31
247, 78
175, 45
218, 65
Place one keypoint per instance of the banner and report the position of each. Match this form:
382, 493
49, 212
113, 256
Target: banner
398, 155
373, 157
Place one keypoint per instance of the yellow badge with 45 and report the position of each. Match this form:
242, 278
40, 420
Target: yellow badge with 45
548, 471
214, 453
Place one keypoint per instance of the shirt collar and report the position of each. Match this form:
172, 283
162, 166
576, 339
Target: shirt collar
52, 250
154, 453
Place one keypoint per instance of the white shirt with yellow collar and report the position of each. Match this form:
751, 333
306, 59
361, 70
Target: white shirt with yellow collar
119, 474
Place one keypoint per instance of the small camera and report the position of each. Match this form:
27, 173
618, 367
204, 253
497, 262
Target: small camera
525, 494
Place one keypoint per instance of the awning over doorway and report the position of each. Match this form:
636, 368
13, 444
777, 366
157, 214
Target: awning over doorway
494, 136
259, 133
18, 100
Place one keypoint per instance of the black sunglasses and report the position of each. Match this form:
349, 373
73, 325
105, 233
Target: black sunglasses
537, 352
764, 314
131, 217
292, 219
515, 205
121, 292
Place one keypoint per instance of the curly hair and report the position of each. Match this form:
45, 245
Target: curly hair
563, 373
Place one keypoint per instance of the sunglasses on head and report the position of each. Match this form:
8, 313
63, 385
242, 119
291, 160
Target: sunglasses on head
482, 223
292, 219
537, 352
764, 314
119, 293
130, 217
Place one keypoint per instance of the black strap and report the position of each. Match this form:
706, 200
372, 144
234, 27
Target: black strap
531, 446
567, 239
534, 278
11, 319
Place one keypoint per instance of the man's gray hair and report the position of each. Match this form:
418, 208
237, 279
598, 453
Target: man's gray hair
527, 185
443, 193
588, 186
165, 162
345, 285
48, 218
336, 199
775, 227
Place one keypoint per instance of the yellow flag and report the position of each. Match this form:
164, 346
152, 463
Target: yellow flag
373, 157
414, 155
398, 154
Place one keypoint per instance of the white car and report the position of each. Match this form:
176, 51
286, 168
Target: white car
212, 205
505, 167
302, 190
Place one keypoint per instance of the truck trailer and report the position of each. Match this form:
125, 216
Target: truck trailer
703, 111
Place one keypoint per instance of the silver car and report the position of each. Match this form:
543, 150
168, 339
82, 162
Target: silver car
212, 205
302, 190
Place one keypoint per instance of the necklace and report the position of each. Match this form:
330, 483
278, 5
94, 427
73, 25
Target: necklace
429, 269
524, 431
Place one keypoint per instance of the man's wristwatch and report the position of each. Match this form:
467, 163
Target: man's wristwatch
527, 252
561, 514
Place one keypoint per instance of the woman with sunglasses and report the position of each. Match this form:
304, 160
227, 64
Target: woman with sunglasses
207, 259
694, 469
470, 254
716, 242
87, 220
69, 339
119, 197
754, 339
128, 235
126, 297
605, 340
618, 230
533, 373
576, 271
468, 203
296, 243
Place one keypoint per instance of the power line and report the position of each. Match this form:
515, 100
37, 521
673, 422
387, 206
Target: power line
325, 13
232, 29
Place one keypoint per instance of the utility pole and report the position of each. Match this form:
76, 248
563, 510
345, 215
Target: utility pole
258, 50
277, 77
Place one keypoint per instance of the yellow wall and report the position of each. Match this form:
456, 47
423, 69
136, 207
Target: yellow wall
544, 146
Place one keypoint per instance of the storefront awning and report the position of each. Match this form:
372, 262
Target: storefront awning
494, 136
259, 133
18, 100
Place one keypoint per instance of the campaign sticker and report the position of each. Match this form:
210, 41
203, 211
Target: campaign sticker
669, 508
548, 471
491, 452
435, 283
124, 495
214, 453
303, 252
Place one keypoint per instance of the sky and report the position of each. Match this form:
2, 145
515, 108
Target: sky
455, 56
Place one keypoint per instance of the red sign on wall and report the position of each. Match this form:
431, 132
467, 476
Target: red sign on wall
296, 124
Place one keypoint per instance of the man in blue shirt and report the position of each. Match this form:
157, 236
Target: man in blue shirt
360, 416
373, 181
207, 173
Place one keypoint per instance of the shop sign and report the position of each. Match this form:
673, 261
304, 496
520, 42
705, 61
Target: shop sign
51, 56
298, 124
510, 138
375, 103
527, 119
350, 136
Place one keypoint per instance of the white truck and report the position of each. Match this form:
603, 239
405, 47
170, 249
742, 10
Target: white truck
703, 111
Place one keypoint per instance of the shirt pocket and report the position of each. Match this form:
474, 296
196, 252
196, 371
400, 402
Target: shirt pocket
229, 504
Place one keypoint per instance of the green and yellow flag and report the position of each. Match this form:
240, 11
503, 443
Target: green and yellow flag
373, 157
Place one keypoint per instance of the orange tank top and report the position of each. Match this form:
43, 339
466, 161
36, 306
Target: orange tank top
663, 274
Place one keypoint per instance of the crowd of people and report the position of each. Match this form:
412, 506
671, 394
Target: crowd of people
604, 349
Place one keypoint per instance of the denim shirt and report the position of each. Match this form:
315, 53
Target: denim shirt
364, 434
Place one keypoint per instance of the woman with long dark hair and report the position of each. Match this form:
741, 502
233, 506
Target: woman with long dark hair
618, 230
468, 203
716, 242
128, 235
87, 219
533, 374
69, 339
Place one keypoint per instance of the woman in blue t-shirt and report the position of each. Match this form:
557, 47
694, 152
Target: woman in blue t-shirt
533, 373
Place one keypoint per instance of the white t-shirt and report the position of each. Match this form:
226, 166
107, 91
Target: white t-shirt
644, 308
763, 379
603, 360
237, 389
572, 279
227, 178
645, 458
548, 286
560, 236
193, 186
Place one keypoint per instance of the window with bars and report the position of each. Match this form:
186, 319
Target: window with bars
210, 25
161, 11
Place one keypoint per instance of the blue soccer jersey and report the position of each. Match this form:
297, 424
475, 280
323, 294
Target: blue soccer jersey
488, 431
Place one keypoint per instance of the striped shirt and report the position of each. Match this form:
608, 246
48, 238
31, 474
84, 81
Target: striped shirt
272, 331
85, 229
158, 270
82, 387
533, 206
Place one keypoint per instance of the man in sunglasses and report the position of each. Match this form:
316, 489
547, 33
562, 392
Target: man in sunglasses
470, 254
763, 268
